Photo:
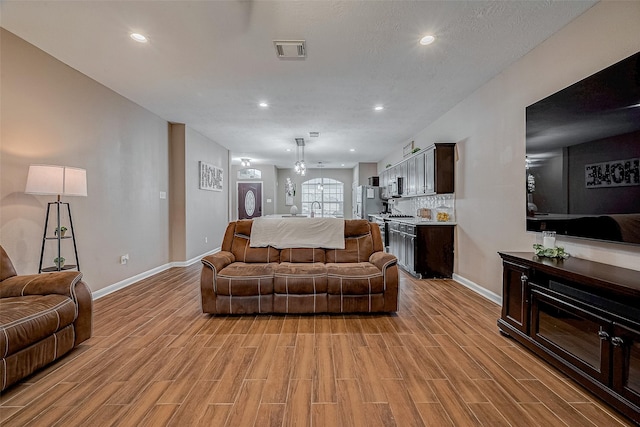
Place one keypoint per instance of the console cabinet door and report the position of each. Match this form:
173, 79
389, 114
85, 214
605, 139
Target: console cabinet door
515, 290
579, 336
626, 362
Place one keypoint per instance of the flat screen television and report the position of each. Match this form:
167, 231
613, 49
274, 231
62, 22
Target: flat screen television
583, 149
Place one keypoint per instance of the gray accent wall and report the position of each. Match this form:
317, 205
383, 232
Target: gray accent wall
52, 114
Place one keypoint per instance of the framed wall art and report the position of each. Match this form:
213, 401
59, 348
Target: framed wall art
210, 177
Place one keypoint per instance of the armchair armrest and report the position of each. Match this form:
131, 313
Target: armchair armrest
61, 283
383, 260
67, 283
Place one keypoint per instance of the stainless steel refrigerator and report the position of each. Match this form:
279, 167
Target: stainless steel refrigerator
367, 201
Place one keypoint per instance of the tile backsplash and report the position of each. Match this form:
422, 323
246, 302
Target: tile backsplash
409, 206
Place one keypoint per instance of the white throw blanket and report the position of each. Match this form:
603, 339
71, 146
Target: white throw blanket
284, 233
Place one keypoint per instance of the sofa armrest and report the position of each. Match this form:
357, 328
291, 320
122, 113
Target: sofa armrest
67, 283
219, 260
211, 265
383, 260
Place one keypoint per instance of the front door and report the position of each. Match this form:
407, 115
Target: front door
249, 200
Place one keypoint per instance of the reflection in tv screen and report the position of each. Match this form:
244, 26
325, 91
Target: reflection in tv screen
583, 155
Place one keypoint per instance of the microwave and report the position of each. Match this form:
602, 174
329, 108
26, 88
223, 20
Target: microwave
396, 189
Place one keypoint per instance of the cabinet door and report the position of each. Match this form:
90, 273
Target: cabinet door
430, 171
626, 362
411, 177
410, 246
572, 333
515, 289
420, 174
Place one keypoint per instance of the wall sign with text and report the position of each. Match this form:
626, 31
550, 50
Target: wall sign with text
210, 177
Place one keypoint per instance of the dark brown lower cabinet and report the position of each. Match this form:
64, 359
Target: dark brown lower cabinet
423, 250
583, 317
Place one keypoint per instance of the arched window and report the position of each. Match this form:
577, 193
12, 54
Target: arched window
329, 193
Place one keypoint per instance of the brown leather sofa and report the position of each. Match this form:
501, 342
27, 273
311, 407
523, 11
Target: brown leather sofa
42, 317
360, 278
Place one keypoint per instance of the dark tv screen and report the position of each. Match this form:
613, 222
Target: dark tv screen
583, 150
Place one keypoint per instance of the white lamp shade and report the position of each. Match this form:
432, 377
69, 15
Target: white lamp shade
75, 182
59, 180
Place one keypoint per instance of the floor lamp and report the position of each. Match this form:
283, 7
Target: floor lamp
60, 181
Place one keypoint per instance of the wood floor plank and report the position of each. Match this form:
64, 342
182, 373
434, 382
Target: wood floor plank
264, 357
215, 415
324, 381
324, 414
344, 362
434, 414
279, 375
405, 412
270, 415
488, 415
303, 360
298, 411
195, 404
155, 359
245, 408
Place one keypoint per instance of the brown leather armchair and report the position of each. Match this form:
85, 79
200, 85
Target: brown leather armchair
42, 317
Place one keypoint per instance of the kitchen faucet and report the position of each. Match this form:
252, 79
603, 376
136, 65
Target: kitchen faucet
313, 214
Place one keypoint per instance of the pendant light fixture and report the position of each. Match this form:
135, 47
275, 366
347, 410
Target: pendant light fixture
300, 167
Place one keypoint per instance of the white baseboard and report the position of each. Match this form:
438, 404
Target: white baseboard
478, 289
131, 280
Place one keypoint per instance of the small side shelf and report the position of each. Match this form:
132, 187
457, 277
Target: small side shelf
55, 238
64, 267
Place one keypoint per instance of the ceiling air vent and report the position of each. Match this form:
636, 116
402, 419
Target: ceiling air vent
295, 49
314, 134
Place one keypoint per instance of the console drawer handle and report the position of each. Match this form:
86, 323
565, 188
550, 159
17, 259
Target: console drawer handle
603, 335
617, 341
524, 278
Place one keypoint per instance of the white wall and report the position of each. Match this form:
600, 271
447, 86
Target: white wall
489, 128
52, 114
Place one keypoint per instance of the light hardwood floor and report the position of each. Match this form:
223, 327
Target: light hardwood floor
155, 359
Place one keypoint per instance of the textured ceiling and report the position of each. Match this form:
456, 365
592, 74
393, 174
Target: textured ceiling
209, 63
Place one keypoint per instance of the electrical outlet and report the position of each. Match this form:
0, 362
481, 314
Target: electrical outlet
124, 259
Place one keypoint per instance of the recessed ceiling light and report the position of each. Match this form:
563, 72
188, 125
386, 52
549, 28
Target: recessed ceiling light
426, 40
263, 104
378, 108
352, 149
342, 164
288, 149
138, 37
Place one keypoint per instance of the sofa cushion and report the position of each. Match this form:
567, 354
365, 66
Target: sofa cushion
359, 278
300, 278
243, 279
243, 252
28, 319
302, 255
356, 249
